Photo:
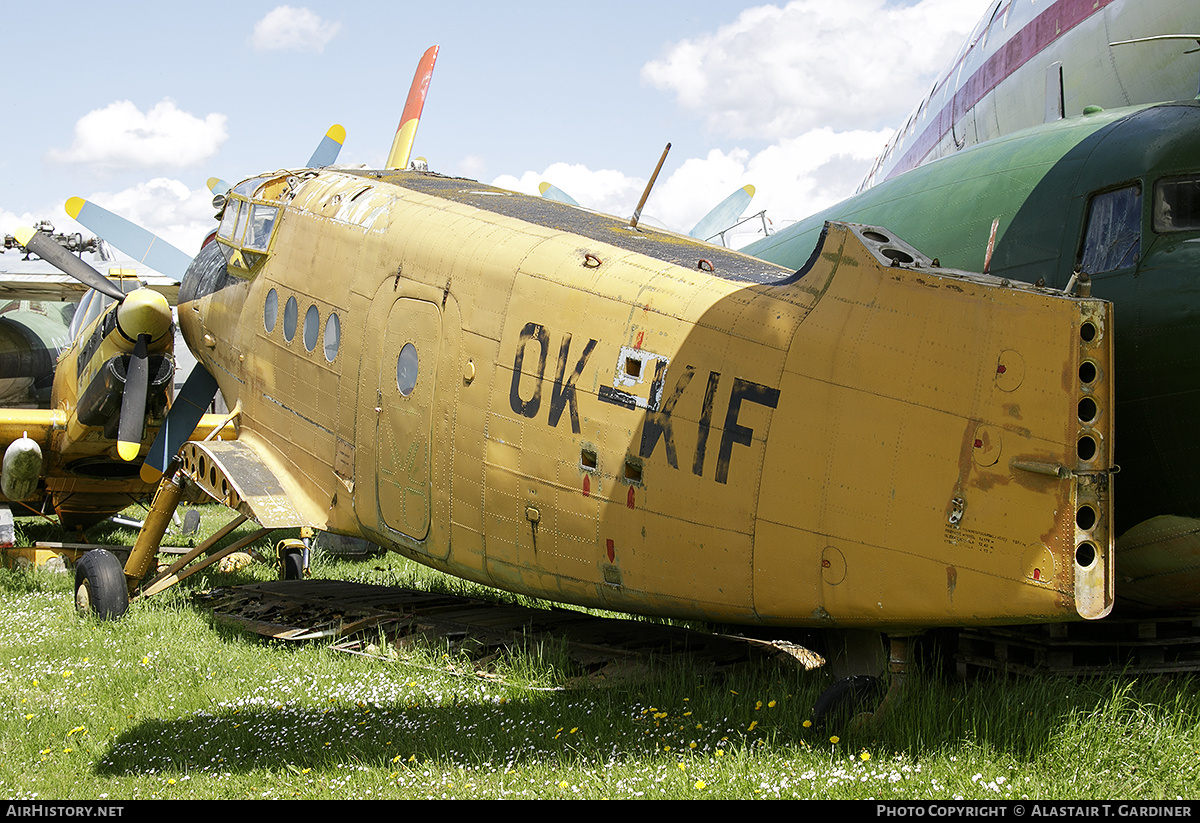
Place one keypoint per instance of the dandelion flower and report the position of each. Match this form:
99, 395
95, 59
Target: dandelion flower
834, 739
700, 784
806, 723
865, 756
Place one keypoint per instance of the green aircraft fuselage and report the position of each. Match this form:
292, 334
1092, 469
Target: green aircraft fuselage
1115, 195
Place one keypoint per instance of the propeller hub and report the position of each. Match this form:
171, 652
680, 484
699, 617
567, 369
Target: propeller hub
144, 312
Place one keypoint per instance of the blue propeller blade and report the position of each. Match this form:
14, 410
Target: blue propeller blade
189, 406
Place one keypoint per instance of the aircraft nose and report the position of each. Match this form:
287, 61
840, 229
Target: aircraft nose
144, 312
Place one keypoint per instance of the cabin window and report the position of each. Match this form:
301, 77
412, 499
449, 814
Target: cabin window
1177, 204
271, 310
289, 319
333, 335
406, 369
312, 328
1113, 238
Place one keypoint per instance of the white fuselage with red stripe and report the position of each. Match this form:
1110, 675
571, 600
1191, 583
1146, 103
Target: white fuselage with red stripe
1006, 76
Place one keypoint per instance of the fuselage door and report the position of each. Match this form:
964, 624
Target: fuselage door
403, 435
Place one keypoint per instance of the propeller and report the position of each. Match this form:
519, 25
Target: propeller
328, 149
406, 132
44, 247
724, 214
323, 155
189, 406
131, 425
140, 310
552, 192
130, 238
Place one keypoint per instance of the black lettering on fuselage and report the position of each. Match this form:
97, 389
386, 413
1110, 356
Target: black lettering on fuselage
706, 412
658, 422
563, 393
735, 433
529, 408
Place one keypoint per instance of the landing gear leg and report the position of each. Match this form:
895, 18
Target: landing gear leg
856, 690
898, 671
158, 519
102, 586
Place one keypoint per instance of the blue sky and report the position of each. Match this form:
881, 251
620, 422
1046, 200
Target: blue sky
135, 105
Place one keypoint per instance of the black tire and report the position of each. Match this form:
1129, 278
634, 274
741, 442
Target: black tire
291, 565
844, 698
100, 589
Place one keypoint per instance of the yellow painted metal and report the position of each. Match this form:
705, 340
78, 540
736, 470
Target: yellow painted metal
170, 578
594, 419
172, 575
158, 518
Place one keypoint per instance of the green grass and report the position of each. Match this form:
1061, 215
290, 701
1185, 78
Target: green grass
166, 704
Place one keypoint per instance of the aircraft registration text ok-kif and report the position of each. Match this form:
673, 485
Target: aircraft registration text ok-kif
658, 422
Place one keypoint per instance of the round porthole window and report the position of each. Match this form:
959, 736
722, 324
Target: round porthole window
289, 319
312, 328
333, 334
406, 369
271, 310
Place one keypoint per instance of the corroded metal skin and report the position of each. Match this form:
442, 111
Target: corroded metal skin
542, 399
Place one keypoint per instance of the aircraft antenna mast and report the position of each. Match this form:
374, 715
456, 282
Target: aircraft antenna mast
637, 213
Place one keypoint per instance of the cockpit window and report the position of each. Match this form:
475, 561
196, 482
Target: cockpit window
243, 218
229, 219
247, 188
1113, 238
1177, 204
262, 220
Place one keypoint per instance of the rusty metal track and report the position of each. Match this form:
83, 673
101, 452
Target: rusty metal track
359, 616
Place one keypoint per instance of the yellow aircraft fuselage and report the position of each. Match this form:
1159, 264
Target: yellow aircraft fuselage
538, 398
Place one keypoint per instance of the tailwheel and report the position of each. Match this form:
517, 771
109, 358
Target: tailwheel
100, 589
846, 698
291, 559
854, 693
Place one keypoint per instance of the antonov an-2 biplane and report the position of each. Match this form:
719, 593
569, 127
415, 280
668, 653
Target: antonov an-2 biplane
73, 448
545, 400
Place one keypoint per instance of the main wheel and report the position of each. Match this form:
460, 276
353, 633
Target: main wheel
293, 566
291, 559
100, 586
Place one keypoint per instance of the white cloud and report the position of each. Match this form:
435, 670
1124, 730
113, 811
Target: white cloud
779, 72
291, 29
821, 85
794, 178
605, 190
120, 136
